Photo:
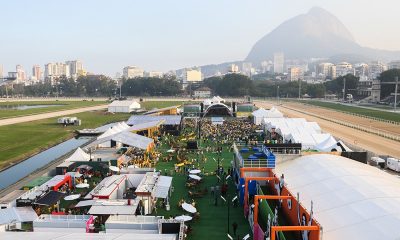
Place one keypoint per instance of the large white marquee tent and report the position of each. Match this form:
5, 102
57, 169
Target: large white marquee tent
351, 200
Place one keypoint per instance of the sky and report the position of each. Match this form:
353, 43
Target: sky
167, 34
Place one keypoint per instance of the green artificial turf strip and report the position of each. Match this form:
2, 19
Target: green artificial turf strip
213, 219
358, 110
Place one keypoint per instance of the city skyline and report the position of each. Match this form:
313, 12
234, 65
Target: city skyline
159, 40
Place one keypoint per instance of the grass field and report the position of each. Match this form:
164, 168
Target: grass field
358, 110
213, 219
19, 141
8, 113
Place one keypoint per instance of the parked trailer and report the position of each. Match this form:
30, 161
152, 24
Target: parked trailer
69, 121
377, 162
393, 164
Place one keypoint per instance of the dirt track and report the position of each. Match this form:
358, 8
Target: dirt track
9, 121
366, 122
371, 142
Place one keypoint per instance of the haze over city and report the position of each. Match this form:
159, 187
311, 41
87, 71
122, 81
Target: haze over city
165, 35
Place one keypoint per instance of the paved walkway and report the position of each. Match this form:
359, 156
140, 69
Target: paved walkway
41, 116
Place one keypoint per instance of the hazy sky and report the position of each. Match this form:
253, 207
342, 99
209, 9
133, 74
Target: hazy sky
168, 34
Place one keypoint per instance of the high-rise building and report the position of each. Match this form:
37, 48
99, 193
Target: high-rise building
279, 60
394, 65
233, 68
192, 75
295, 74
75, 68
344, 68
266, 66
21, 75
154, 74
36, 72
132, 72
1, 72
327, 70
376, 68
247, 68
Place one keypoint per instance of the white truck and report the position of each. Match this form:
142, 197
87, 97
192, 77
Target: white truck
393, 164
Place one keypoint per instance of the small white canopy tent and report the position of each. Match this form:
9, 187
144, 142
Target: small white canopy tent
123, 106
258, 115
78, 156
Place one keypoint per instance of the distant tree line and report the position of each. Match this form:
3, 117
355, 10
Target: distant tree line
151, 86
234, 85
84, 86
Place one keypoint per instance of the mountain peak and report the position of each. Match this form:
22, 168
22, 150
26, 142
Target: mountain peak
318, 11
317, 33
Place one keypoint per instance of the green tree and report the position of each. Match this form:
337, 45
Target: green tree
388, 76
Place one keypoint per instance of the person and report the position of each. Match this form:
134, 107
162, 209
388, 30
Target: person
235, 226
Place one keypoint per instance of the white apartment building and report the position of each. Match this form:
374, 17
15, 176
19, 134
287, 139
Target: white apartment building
295, 74
394, 64
192, 75
1, 71
154, 74
233, 68
132, 72
279, 60
266, 66
75, 68
21, 75
376, 68
344, 68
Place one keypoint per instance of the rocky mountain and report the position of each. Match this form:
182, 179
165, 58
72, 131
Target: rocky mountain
317, 33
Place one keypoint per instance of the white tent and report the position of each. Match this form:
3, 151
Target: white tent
123, 106
274, 113
351, 200
78, 156
217, 99
124, 137
17, 215
327, 144
258, 115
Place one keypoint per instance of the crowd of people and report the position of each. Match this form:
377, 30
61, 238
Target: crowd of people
229, 131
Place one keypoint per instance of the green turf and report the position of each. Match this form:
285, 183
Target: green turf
8, 113
19, 141
358, 110
149, 105
213, 219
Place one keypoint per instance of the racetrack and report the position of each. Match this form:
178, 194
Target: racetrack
368, 141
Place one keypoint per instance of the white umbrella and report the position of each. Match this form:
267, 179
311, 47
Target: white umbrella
188, 207
114, 168
72, 197
82, 185
195, 177
184, 218
195, 171
171, 151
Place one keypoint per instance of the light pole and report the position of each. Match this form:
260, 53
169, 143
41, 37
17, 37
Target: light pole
344, 89
227, 200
